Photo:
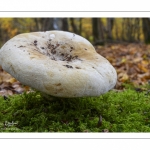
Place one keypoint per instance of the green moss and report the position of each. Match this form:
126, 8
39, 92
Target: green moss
125, 111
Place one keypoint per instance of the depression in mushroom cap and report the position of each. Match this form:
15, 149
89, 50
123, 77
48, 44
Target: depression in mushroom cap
58, 63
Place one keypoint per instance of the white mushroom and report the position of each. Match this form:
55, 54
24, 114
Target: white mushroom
57, 63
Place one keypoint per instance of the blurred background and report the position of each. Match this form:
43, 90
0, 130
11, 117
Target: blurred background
96, 30
125, 42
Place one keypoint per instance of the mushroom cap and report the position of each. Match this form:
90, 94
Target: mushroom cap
57, 63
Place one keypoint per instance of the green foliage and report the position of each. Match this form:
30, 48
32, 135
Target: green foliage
125, 111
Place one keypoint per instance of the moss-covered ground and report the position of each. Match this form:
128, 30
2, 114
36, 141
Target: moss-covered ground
115, 111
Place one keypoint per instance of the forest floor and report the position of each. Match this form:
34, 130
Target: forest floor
123, 109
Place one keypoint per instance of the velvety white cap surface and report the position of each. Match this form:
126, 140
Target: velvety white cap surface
58, 63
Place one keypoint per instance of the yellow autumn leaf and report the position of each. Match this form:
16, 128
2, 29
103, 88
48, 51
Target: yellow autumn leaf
144, 62
11, 80
142, 68
123, 60
123, 77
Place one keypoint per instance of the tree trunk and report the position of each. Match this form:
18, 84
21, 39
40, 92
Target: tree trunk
80, 26
98, 30
65, 26
75, 30
47, 24
110, 22
146, 29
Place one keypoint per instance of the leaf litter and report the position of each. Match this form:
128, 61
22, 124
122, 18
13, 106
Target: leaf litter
131, 61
